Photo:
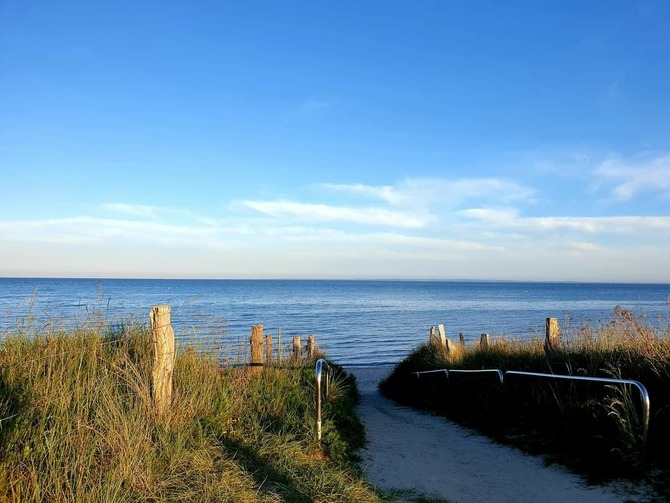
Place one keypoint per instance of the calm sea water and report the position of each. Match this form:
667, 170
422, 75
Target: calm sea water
356, 322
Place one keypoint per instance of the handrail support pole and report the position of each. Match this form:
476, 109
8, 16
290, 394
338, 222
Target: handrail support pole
318, 372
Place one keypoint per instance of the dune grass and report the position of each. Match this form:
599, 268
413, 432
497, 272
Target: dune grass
594, 429
77, 424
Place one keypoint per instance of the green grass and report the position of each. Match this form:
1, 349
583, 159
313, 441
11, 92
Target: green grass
78, 425
594, 429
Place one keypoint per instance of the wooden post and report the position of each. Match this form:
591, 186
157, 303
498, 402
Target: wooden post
461, 338
256, 342
442, 337
484, 341
268, 349
553, 333
311, 346
431, 336
296, 347
164, 353
279, 348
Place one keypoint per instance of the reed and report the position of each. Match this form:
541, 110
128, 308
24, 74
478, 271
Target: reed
78, 424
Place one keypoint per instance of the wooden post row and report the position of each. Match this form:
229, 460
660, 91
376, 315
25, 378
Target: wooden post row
553, 333
164, 354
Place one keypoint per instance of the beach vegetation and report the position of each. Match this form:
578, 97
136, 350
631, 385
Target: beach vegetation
596, 429
77, 423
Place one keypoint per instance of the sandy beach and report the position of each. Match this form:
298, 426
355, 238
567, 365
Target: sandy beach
411, 449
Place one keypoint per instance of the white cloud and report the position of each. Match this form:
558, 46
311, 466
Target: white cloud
386, 193
324, 212
485, 188
137, 210
584, 246
264, 247
506, 217
630, 179
85, 229
426, 191
632, 225
375, 239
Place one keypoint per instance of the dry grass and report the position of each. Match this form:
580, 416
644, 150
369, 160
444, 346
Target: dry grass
78, 425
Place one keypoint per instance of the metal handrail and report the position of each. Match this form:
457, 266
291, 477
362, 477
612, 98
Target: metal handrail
496, 371
644, 394
446, 372
318, 370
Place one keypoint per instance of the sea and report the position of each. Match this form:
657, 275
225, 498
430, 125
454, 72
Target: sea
357, 323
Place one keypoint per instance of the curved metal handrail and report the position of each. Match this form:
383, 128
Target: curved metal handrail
644, 394
318, 371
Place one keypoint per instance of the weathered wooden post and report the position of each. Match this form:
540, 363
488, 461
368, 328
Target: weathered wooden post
164, 353
311, 346
297, 349
553, 333
442, 337
268, 349
484, 341
461, 338
256, 342
279, 348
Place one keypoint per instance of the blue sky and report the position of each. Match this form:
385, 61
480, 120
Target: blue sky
367, 139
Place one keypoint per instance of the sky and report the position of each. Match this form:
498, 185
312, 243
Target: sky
517, 140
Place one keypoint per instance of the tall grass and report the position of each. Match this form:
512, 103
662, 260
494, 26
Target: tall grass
593, 428
77, 424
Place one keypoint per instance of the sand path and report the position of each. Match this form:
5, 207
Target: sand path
410, 449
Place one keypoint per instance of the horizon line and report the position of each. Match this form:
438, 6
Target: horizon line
320, 278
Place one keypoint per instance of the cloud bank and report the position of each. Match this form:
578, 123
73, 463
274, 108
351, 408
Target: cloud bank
476, 228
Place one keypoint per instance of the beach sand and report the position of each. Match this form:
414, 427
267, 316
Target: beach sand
412, 449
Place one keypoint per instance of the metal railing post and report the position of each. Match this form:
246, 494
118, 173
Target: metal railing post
318, 370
